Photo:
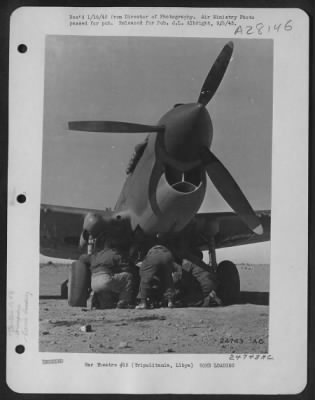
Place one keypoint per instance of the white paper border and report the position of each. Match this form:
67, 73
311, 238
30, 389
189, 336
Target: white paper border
286, 373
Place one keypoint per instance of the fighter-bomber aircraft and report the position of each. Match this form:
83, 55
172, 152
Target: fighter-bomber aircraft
164, 189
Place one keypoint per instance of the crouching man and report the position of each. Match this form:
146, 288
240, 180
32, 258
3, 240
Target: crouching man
156, 282
196, 285
111, 278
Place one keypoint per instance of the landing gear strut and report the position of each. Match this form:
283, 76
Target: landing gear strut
212, 254
91, 245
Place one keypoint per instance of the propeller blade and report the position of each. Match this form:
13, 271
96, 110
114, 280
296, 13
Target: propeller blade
216, 74
112, 127
230, 191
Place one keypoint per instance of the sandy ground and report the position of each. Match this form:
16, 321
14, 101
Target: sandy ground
240, 328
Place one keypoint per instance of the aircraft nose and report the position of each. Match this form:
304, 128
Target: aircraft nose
188, 129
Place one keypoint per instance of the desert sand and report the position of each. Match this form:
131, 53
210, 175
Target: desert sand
239, 328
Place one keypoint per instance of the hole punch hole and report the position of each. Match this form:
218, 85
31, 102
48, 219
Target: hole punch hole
21, 198
20, 349
22, 48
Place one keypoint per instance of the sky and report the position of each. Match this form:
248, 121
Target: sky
138, 79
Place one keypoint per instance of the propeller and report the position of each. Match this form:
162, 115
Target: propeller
229, 190
216, 171
218, 174
215, 74
208, 90
112, 127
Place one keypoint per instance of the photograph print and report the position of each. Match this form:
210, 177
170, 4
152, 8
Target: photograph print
156, 195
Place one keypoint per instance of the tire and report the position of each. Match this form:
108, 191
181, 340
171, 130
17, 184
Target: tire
228, 283
64, 289
78, 285
198, 253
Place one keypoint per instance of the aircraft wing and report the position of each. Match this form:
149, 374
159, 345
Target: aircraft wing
229, 230
60, 229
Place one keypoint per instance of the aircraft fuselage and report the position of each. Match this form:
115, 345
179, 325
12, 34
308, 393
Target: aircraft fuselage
168, 184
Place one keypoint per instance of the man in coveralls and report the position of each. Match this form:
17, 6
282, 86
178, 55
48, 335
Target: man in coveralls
156, 270
195, 285
112, 277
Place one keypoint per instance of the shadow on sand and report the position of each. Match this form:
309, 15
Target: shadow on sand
259, 298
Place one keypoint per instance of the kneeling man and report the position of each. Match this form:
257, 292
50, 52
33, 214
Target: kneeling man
111, 278
196, 287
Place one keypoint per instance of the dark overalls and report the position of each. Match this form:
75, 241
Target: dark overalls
156, 273
110, 275
196, 284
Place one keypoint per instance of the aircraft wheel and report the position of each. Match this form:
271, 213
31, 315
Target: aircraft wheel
78, 285
198, 253
64, 289
228, 283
